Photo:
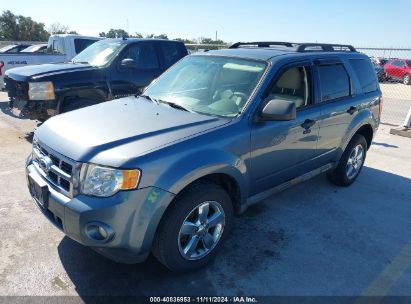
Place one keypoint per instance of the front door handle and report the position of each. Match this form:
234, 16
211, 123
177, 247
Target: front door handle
308, 123
352, 110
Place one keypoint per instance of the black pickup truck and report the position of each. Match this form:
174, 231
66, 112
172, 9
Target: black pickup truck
106, 70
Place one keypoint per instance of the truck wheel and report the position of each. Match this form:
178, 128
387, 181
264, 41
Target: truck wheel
74, 104
193, 230
406, 80
351, 162
387, 77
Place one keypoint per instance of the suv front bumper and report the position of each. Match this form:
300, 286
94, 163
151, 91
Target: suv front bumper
34, 109
133, 217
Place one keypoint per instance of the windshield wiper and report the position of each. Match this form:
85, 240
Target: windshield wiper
148, 98
81, 62
175, 105
171, 104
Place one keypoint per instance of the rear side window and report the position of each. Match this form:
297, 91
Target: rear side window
57, 47
365, 74
171, 53
334, 82
81, 44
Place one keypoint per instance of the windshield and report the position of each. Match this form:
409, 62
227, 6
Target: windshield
408, 62
33, 48
99, 53
209, 84
7, 48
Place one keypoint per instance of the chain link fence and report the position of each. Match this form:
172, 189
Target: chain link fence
397, 95
205, 47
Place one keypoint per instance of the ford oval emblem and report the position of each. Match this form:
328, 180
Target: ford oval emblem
45, 163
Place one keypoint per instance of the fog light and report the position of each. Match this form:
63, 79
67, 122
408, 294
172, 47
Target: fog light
99, 232
102, 232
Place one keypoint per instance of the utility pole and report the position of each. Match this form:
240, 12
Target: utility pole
405, 129
407, 121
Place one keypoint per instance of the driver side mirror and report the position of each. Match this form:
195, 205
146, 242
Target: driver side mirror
278, 109
128, 63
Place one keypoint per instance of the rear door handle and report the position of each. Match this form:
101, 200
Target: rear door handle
308, 123
352, 110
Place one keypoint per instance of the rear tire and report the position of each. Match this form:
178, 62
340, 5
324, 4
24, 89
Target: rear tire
351, 162
190, 222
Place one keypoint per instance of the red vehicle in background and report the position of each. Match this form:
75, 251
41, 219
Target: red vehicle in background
398, 69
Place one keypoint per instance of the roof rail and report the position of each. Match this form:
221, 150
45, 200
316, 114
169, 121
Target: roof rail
261, 44
302, 47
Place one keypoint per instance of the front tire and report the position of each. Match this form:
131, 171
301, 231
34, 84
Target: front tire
387, 77
351, 162
407, 79
194, 229
74, 104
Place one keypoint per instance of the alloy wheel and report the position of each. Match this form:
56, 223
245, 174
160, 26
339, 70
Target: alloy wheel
355, 161
201, 230
407, 79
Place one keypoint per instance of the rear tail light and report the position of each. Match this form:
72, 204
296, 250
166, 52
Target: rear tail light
1, 66
380, 103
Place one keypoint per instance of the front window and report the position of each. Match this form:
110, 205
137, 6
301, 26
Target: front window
99, 53
209, 84
81, 44
294, 85
144, 55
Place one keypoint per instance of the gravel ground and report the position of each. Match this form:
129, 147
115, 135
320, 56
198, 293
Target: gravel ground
312, 239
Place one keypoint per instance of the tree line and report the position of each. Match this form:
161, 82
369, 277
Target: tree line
20, 28
120, 33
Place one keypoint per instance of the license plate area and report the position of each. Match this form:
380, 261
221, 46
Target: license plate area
39, 190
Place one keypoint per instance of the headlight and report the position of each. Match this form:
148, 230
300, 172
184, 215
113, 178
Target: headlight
103, 181
41, 91
35, 145
35, 141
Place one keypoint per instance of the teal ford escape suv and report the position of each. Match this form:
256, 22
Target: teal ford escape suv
165, 172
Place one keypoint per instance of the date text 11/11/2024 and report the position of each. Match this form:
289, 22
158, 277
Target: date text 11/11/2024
240, 299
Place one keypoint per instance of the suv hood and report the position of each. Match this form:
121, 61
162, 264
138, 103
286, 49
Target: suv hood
36, 71
113, 132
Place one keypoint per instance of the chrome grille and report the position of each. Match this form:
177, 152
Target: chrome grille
59, 170
16, 89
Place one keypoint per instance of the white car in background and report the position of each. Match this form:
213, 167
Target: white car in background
37, 48
14, 48
60, 48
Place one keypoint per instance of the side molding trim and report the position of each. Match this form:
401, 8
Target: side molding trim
302, 178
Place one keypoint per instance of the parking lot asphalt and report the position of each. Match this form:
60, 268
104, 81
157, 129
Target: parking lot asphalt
312, 239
